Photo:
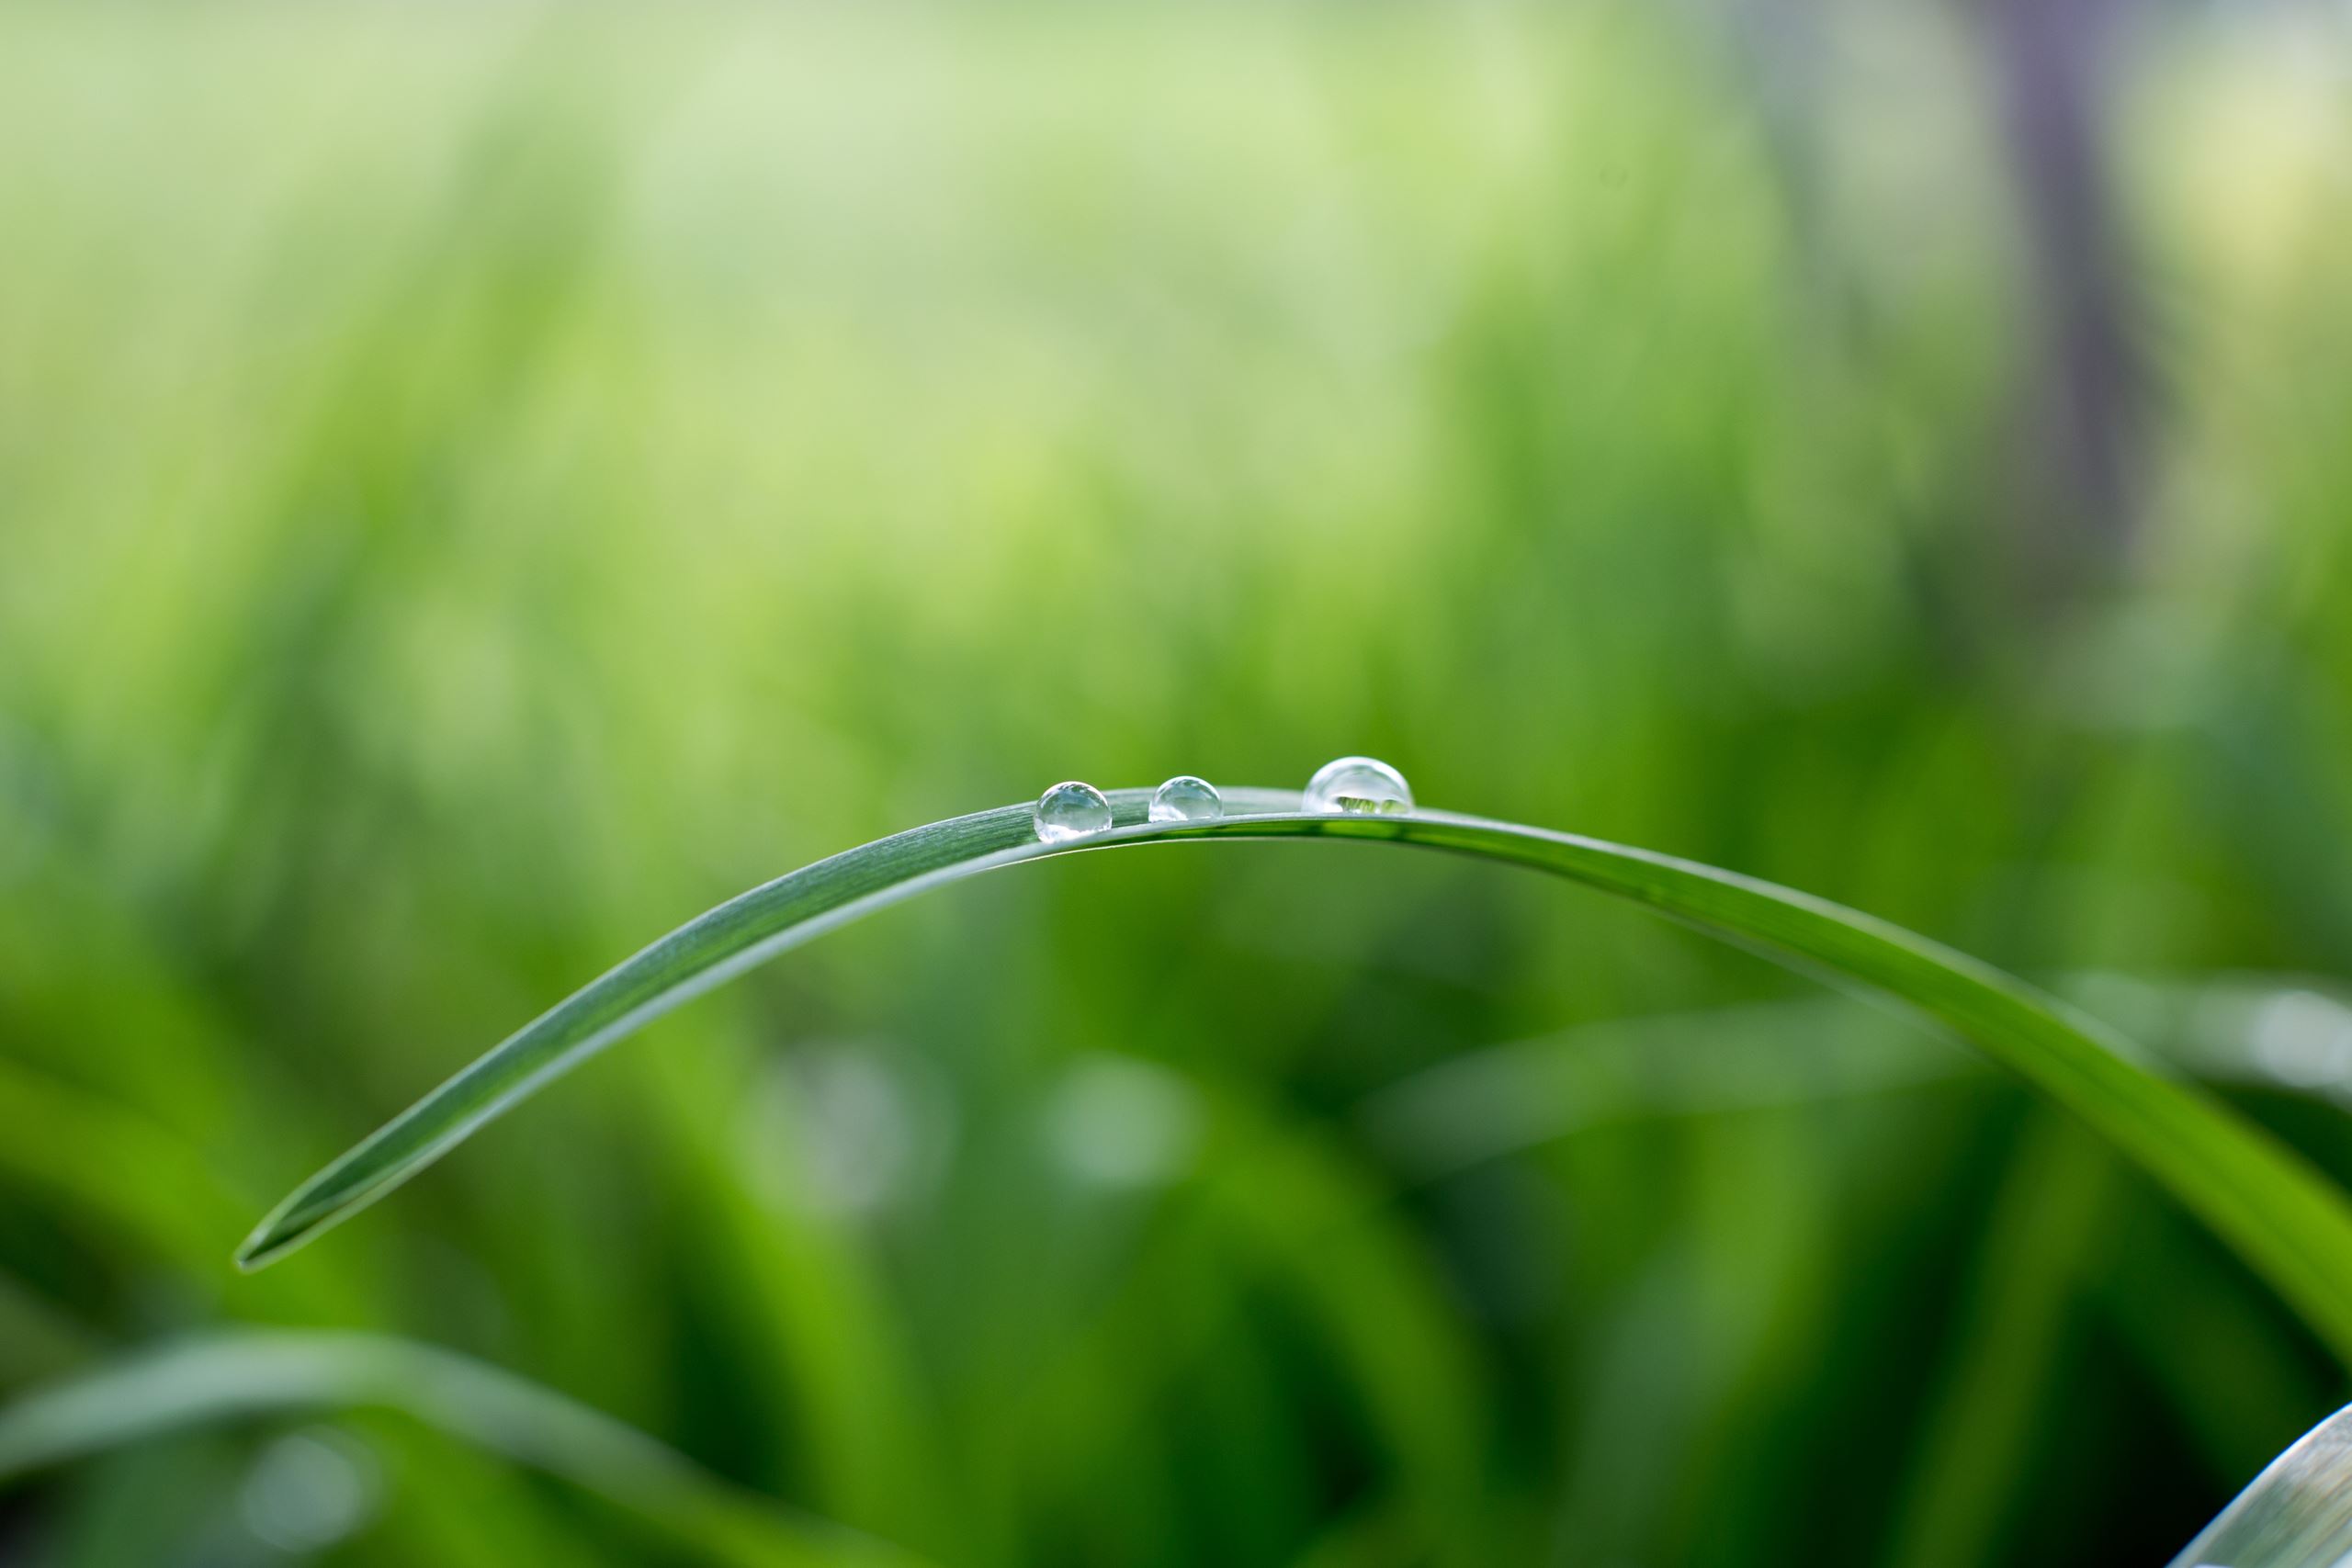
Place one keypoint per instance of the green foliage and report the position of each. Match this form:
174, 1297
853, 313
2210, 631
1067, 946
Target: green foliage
478, 487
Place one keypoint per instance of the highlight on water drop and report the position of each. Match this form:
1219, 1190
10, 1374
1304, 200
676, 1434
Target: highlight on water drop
1186, 799
1072, 810
1358, 787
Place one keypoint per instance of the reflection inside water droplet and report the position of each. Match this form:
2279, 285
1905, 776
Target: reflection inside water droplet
1187, 799
1356, 786
1070, 810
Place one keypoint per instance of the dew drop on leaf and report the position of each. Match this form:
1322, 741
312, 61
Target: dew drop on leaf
1359, 786
1070, 810
1186, 799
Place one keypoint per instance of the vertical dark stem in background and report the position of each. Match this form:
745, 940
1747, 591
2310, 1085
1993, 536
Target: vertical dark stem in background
2085, 400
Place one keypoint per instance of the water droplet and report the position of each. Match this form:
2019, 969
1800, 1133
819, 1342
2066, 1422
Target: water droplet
1070, 810
1359, 786
1186, 799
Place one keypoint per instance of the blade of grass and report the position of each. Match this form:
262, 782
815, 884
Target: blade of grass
237, 1375
2295, 1516
1497, 1100
2041, 1246
2287, 1220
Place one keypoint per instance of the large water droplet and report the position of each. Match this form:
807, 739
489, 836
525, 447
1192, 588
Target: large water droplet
1070, 810
1359, 786
1186, 799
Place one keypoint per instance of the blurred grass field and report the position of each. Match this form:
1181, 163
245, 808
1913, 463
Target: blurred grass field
478, 485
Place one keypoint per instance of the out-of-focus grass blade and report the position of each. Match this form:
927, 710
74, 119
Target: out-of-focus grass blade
2287, 1220
1499, 1100
2041, 1249
239, 1375
2298, 1513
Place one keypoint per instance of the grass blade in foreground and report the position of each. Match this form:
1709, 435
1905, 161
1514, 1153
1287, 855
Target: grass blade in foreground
2298, 1513
2281, 1214
237, 1376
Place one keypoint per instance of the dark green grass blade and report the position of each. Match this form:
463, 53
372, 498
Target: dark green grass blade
2298, 1513
2281, 1214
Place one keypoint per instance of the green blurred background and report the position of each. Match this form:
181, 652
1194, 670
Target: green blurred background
478, 485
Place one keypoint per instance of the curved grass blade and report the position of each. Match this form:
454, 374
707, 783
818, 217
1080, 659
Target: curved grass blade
2297, 1513
233, 1376
2292, 1225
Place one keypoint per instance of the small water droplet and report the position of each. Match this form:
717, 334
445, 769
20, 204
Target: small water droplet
1186, 799
1070, 810
1359, 786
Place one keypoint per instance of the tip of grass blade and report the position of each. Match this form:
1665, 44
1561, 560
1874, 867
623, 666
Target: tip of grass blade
330, 1197
277, 1235
295, 1222
258, 1251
